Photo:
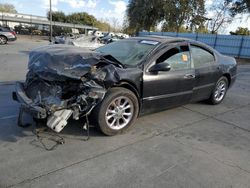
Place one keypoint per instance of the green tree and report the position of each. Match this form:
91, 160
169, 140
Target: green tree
57, 30
57, 16
241, 31
78, 18
178, 13
197, 17
81, 18
7, 8
174, 14
102, 25
86, 19
144, 14
239, 6
221, 16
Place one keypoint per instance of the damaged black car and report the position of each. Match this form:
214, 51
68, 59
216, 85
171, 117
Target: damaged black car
116, 82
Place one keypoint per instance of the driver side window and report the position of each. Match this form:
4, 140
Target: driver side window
177, 57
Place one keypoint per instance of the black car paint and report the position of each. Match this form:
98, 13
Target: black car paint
162, 90
205, 76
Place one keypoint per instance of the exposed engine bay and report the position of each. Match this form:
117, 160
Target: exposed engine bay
63, 99
65, 82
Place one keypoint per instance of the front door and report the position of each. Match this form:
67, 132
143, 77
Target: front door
166, 89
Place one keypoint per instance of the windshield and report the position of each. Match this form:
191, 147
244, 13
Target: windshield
128, 52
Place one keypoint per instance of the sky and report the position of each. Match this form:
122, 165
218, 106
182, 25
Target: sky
241, 20
101, 9
106, 10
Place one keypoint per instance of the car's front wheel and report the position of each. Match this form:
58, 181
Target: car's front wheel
3, 40
117, 112
219, 91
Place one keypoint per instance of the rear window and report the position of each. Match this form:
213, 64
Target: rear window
4, 29
201, 56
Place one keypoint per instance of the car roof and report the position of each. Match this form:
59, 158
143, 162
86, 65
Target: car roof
161, 39
168, 39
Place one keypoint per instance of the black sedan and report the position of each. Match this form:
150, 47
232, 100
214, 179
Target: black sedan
115, 83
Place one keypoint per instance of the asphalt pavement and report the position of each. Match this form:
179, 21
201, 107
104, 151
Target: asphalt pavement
196, 145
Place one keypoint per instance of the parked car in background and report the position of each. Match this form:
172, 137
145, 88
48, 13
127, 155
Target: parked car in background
122, 35
22, 29
89, 42
98, 34
36, 32
118, 81
112, 37
109, 38
6, 35
64, 39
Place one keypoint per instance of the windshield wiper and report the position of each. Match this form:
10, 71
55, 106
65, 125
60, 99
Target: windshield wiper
113, 60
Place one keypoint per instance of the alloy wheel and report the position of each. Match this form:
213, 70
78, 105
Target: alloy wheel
119, 113
3, 40
220, 90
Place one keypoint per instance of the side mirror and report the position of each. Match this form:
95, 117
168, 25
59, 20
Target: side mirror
160, 67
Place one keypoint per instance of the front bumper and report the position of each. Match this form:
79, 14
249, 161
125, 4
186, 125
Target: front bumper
27, 104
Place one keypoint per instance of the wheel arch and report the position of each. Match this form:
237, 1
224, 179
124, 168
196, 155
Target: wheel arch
4, 37
130, 86
228, 76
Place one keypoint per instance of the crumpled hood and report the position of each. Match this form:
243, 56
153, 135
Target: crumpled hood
62, 61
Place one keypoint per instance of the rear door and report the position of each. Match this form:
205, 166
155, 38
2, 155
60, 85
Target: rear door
166, 89
206, 72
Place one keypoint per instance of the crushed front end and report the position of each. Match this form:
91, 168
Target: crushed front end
64, 82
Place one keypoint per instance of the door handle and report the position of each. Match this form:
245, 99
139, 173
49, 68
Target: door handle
189, 76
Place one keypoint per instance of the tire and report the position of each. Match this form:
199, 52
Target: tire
117, 112
3, 40
219, 92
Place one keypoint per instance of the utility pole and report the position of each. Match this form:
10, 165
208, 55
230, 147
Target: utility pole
50, 15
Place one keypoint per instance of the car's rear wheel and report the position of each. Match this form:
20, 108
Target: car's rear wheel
3, 40
117, 112
219, 91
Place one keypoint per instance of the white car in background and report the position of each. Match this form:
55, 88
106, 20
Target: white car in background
98, 34
90, 42
122, 35
83, 41
6, 35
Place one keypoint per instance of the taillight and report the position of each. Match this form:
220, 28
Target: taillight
13, 33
